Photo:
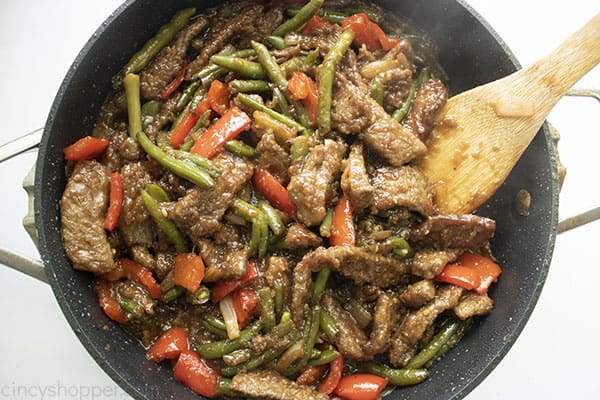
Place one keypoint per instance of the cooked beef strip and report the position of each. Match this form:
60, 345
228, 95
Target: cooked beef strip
241, 24
279, 275
200, 210
112, 155
223, 262
301, 292
83, 207
270, 385
310, 188
428, 263
135, 225
299, 237
113, 110
167, 64
273, 157
397, 80
164, 264
454, 231
266, 24
431, 97
472, 304
384, 322
351, 340
165, 116
419, 293
383, 134
415, 323
404, 187
142, 256
355, 181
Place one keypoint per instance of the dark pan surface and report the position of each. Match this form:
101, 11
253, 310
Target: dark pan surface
471, 53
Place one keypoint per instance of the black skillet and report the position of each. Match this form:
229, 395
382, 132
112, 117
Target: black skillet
470, 52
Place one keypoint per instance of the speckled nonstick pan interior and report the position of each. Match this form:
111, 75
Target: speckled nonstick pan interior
471, 53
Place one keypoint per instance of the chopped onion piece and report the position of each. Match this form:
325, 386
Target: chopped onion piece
229, 317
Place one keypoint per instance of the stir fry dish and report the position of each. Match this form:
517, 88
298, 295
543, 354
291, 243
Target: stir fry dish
249, 205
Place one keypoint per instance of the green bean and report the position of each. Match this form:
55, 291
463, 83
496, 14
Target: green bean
377, 90
278, 298
273, 218
162, 141
301, 113
255, 105
213, 76
303, 15
224, 388
214, 321
240, 66
293, 65
325, 227
255, 236
221, 334
336, 17
214, 350
157, 193
187, 95
397, 377
454, 339
312, 57
203, 122
187, 145
150, 110
240, 148
237, 357
249, 86
320, 285
328, 326
245, 210
129, 306
326, 76
400, 113
200, 296
134, 108
360, 314
276, 41
432, 348
172, 294
165, 225
153, 46
267, 310
197, 176
325, 357
310, 337
400, 246
263, 244
269, 64
299, 148
281, 102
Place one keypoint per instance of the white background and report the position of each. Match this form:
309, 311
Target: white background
557, 355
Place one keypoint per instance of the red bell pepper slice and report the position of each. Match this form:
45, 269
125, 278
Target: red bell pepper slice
188, 271
488, 270
138, 273
85, 149
218, 97
245, 302
224, 288
459, 275
267, 185
360, 387
311, 375
333, 377
115, 202
342, 225
169, 345
109, 303
196, 374
303, 88
180, 132
227, 128
368, 33
171, 87
314, 25
202, 107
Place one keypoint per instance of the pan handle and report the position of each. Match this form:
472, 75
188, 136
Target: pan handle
20, 145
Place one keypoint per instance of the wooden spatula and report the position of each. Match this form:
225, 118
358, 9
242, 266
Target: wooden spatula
481, 133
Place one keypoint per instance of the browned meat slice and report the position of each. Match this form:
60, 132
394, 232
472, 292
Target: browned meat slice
279, 276
200, 210
350, 340
270, 385
355, 181
428, 263
472, 304
383, 134
302, 287
310, 188
113, 108
122, 148
455, 231
347, 112
300, 237
430, 99
273, 157
135, 224
223, 262
415, 324
384, 322
164, 264
142, 256
266, 24
397, 79
137, 293
165, 116
167, 64
83, 208
402, 187
242, 23
418, 293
